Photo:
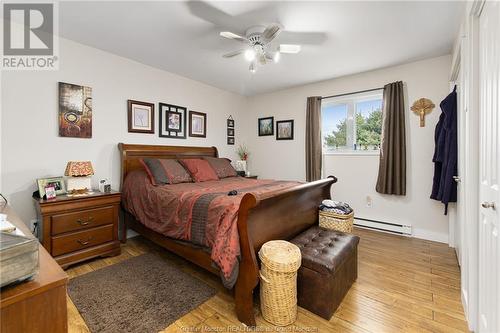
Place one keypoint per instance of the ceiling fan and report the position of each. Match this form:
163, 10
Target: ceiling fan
258, 49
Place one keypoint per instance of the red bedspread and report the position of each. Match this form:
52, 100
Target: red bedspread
202, 213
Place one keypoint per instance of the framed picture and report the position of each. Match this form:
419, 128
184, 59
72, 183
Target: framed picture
173, 119
284, 129
230, 132
197, 124
50, 192
230, 140
141, 117
230, 122
266, 126
56, 182
173, 123
75, 111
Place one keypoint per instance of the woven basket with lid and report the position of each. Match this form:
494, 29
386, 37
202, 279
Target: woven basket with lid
331, 220
278, 290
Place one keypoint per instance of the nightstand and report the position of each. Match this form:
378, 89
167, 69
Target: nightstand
77, 228
252, 177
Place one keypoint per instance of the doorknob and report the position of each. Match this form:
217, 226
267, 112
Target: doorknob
457, 179
488, 205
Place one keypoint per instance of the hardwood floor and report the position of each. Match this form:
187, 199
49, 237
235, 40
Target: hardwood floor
404, 285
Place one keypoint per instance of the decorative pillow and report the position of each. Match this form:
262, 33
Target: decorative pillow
165, 171
200, 170
222, 167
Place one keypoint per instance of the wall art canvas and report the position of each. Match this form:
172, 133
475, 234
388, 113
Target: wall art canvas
173, 120
141, 117
284, 130
75, 110
266, 126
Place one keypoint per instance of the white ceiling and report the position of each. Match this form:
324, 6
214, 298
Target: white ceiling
358, 36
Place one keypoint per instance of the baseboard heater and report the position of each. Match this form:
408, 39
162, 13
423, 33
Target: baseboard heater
393, 228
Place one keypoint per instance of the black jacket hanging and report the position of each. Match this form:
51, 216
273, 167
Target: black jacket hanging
444, 187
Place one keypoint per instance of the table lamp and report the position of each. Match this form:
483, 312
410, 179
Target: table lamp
79, 175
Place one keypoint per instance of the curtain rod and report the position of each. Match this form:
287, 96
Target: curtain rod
352, 93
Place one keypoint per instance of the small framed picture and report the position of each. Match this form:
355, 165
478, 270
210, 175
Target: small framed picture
141, 117
230, 132
266, 126
197, 124
56, 182
50, 192
284, 130
173, 121
230, 140
230, 122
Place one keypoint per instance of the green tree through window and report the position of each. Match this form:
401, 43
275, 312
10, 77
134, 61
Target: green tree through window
368, 131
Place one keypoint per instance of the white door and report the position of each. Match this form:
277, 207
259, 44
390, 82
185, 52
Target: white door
460, 206
489, 95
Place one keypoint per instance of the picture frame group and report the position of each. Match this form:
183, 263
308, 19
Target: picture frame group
284, 128
174, 120
230, 131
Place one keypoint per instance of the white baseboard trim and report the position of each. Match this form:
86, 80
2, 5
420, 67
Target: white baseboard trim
430, 235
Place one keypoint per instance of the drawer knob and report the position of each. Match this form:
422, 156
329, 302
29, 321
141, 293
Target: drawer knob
82, 242
83, 222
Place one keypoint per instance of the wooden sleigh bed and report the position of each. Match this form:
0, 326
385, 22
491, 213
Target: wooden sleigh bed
280, 216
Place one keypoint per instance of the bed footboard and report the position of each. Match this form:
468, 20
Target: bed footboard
281, 216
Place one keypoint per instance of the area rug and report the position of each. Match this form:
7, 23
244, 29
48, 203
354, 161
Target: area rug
142, 294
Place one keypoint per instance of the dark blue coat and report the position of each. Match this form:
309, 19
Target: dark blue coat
444, 187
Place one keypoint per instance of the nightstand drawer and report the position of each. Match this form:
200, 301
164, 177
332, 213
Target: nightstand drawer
81, 220
82, 239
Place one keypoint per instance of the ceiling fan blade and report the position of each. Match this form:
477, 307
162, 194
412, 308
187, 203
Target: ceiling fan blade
209, 13
309, 38
233, 54
289, 48
230, 35
271, 32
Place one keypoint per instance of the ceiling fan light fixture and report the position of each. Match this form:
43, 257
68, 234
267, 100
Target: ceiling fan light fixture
276, 56
252, 67
250, 54
289, 48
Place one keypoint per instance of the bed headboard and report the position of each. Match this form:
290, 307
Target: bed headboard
131, 154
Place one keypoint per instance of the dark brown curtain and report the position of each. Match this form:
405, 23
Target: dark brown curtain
392, 167
313, 138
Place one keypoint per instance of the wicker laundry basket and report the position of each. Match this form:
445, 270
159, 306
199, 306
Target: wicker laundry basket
335, 221
280, 261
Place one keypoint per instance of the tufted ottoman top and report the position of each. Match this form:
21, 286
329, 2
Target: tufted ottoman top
323, 250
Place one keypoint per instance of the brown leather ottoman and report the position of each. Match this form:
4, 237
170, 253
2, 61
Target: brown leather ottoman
329, 268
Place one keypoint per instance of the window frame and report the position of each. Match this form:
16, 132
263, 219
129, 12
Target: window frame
351, 101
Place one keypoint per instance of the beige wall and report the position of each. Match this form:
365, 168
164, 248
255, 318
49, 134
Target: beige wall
31, 147
357, 174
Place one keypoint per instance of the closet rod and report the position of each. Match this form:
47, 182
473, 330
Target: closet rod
352, 93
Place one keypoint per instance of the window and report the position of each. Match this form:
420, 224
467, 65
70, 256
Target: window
352, 124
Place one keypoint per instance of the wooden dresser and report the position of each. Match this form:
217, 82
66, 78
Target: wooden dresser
37, 305
77, 228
